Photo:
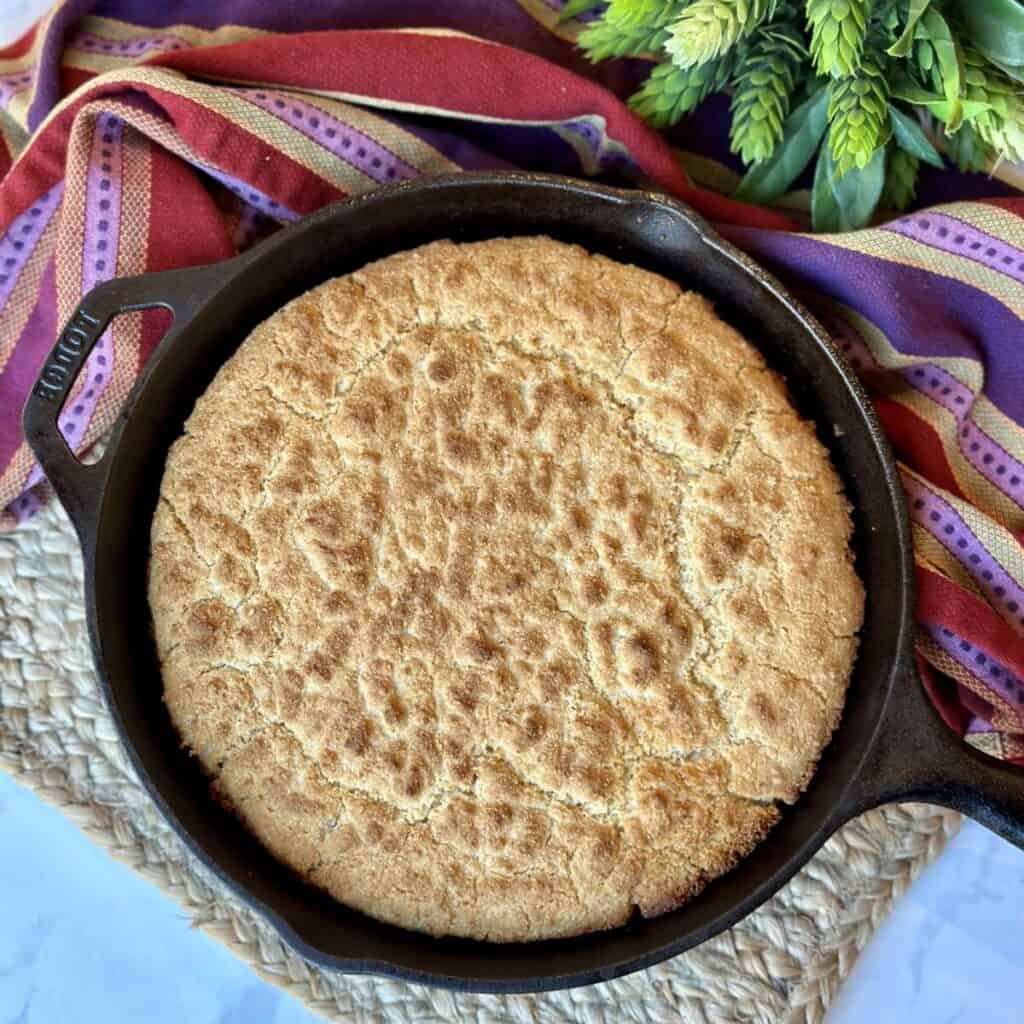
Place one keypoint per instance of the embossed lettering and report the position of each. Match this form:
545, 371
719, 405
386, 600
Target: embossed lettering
64, 356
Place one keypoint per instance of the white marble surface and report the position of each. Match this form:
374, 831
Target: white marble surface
17, 16
952, 950
83, 939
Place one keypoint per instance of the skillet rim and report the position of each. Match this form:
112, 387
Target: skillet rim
222, 275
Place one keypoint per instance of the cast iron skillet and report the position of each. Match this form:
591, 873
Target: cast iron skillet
891, 745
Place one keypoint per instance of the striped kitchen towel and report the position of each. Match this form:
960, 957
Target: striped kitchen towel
139, 136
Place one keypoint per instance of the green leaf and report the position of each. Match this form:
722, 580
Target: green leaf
996, 27
857, 192
911, 139
574, 7
968, 110
801, 134
824, 208
1017, 74
846, 202
950, 64
904, 88
902, 45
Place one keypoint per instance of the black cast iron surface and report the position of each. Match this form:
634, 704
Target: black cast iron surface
889, 746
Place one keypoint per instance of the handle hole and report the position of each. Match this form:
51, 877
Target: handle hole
962, 709
106, 378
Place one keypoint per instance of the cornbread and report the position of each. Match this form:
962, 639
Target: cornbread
500, 590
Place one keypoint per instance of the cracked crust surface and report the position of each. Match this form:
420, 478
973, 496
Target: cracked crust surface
501, 590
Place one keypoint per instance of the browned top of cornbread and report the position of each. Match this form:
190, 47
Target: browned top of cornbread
500, 589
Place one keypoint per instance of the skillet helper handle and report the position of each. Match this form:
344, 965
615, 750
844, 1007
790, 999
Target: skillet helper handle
915, 756
181, 292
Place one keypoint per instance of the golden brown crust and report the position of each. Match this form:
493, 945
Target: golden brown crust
501, 590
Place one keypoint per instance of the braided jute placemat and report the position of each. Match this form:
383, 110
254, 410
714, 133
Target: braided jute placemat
784, 963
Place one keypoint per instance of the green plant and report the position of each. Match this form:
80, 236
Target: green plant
838, 29
670, 92
763, 90
706, 29
858, 115
863, 89
900, 178
629, 29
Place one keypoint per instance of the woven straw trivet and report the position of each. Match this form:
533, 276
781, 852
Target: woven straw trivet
783, 963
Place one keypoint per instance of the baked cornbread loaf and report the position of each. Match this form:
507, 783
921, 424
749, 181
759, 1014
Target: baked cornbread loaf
500, 590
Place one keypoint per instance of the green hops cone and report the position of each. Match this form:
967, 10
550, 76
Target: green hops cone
887, 17
927, 64
968, 150
629, 28
900, 179
764, 85
710, 28
858, 115
1001, 126
1005, 133
630, 14
601, 40
838, 29
671, 92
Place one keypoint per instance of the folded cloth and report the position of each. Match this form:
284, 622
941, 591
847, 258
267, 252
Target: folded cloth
144, 136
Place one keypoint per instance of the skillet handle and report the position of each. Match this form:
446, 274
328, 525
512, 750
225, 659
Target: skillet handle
181, 292
915, 756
